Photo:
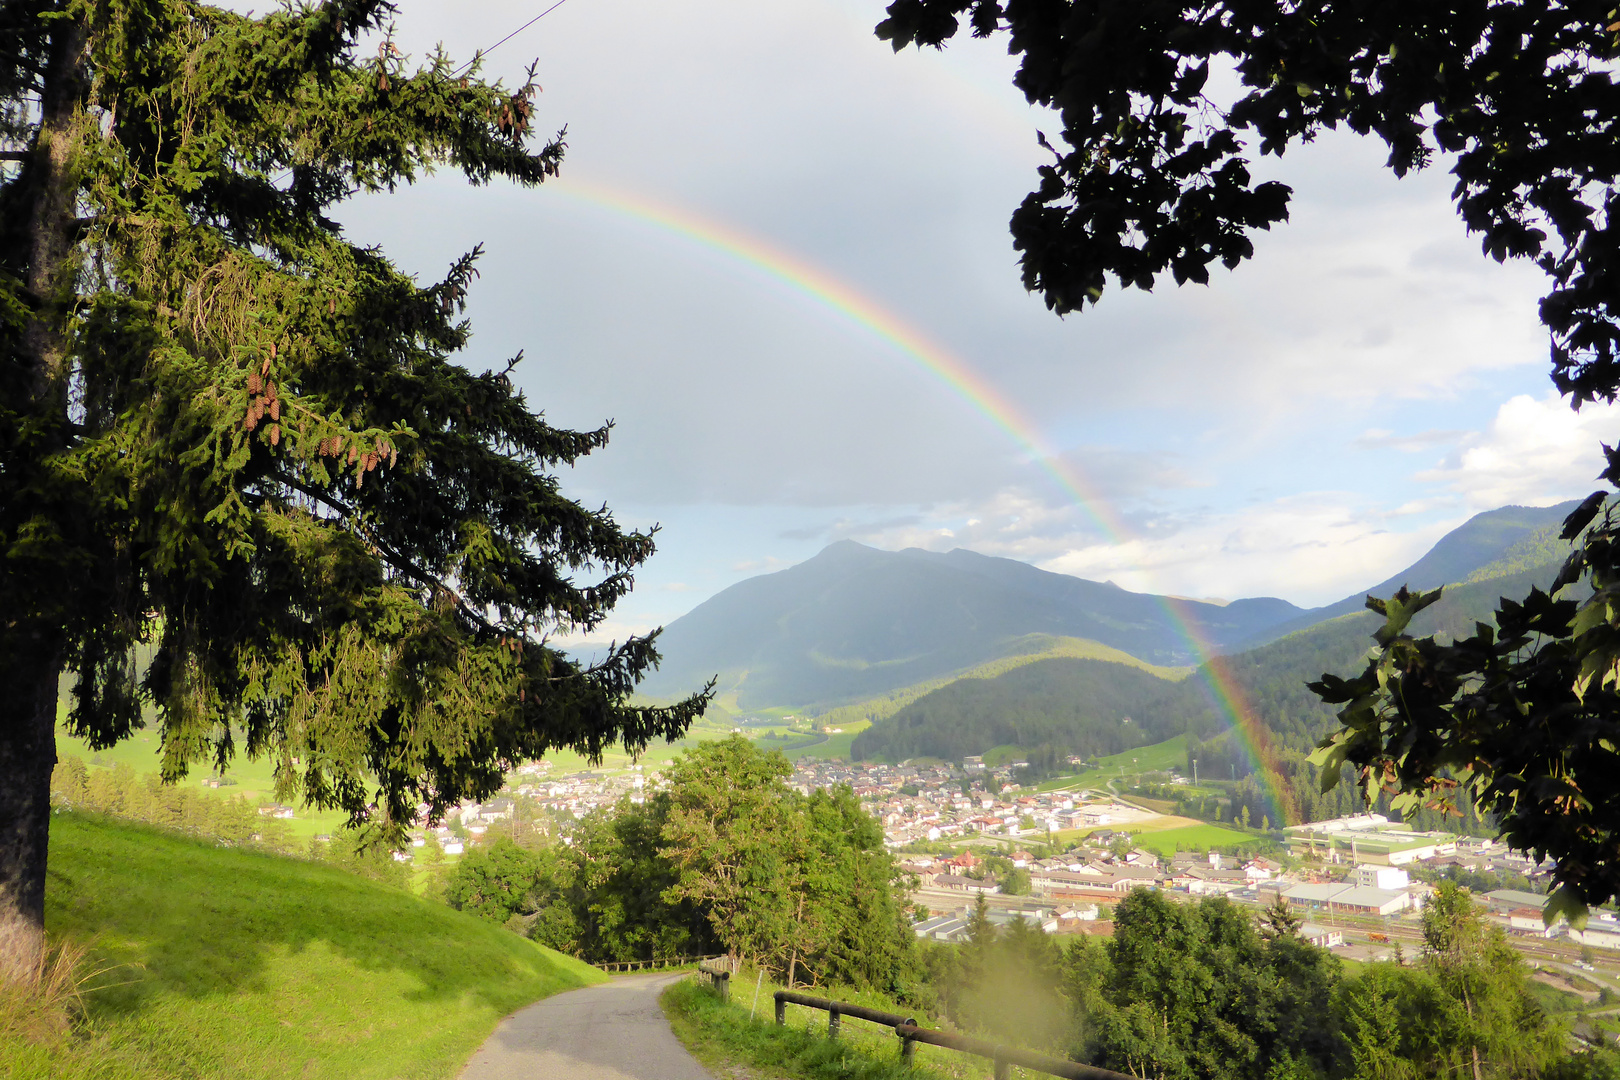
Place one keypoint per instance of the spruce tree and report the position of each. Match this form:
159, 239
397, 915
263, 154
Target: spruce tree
246, 492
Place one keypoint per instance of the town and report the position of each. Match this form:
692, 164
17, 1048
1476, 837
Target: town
1061, 859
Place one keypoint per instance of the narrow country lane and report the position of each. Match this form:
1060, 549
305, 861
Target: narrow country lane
612, 1031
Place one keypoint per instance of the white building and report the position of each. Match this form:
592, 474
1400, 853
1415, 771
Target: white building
1381, 877
1599, 937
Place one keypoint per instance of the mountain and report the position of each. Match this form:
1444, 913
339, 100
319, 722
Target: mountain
1079, 706
854, 622
1494, 544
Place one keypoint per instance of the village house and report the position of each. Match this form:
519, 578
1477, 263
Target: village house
1323, 937
965, 884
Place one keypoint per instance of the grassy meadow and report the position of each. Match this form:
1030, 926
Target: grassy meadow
1190, 837
219, 963
1124, 766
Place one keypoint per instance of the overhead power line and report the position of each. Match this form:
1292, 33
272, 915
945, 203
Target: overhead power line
508, 37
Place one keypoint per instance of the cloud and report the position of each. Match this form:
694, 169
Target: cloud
1536, 452
1380, 439
1122, 473
756, 422
1309, 549
756, 566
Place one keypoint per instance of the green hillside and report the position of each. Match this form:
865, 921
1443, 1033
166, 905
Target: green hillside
1127, 765
1052, 708
1498, 543
1074, 706
230, 964
1016, 653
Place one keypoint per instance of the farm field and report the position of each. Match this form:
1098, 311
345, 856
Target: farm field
252, 780
1163, 832
1189, 837
255, 781
835, 747
1124, 766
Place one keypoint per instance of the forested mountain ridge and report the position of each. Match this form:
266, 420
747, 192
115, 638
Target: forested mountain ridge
1054, 708
854, 622
1089, 707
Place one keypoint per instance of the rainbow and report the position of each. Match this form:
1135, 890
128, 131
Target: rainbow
826, 291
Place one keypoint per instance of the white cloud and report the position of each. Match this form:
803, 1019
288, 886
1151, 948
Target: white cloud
1383, 439
1309, 549
1535, 452
760, 566
791, 123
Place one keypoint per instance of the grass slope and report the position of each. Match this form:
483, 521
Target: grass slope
225, 963
253, 780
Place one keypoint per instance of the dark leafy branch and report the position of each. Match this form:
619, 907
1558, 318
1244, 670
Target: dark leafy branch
1155, 179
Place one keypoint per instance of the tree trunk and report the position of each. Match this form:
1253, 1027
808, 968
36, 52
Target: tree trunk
31, 637
27, 756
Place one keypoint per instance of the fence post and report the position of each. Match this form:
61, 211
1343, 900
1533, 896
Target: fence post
832, 1023
781, 1009
908, 1047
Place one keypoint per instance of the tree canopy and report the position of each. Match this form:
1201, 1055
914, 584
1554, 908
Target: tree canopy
1154, 171
246, 487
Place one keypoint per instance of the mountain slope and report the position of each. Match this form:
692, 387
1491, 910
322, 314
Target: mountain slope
1088, 707
1069, 705
854, 622
1498, 542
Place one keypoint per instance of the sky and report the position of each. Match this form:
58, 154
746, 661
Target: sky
1302, 427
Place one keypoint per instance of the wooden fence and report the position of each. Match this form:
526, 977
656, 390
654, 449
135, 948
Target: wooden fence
657, 965
1005, 1057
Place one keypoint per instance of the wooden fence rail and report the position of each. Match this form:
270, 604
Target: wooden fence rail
1005, 1057
657, 965
719, 973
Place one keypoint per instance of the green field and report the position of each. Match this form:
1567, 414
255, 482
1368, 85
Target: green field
1125, 766
832, 747
254, 780
219, 963
1191, 837
250, 779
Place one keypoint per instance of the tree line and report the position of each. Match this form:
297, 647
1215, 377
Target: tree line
1196, 991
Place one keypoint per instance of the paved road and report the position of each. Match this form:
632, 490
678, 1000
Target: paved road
612, 1031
